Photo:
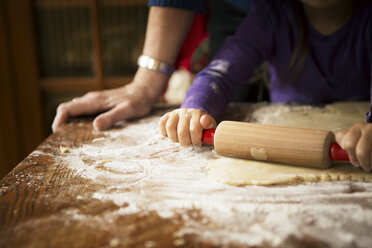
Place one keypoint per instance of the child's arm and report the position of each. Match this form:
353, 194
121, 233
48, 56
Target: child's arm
215, 86
185, 125
357, 141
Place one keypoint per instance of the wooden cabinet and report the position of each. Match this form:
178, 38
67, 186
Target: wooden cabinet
54, 50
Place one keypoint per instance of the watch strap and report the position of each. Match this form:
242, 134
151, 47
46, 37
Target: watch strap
154, 65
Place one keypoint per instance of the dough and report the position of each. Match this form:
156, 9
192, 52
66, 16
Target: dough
335, 117
235, 171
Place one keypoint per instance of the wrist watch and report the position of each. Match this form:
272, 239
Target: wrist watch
154, 65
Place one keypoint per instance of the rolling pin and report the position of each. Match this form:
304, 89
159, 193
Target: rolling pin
297, 146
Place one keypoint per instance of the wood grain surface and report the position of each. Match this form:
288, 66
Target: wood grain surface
47, 201
37, 192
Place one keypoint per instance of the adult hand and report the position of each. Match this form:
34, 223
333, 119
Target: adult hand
357, 141
132, 100
166, 30
185, 125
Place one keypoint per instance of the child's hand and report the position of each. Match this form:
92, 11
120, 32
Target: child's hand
358, 144
185, 125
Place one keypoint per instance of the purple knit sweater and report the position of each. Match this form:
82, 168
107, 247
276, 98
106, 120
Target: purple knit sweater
337, 69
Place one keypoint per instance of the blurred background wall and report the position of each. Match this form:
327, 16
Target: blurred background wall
54, 50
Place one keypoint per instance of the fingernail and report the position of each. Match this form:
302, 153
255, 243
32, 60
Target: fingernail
207, 122
99, 124
355, 163
210, 125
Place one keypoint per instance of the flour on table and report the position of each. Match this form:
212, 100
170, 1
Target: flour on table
140, 171
335, 117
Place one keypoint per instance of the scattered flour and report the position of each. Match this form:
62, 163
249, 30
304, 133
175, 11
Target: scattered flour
170, 179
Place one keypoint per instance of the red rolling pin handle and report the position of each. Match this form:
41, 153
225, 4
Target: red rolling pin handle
208, 136
336, 153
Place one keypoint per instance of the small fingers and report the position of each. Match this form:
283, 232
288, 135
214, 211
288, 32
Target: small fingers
207, 121
349, 143
340, 136
363, 149
183, 127
171, 126
162, 124
196, 130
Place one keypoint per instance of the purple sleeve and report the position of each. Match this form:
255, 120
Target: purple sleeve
369, 116
215, 86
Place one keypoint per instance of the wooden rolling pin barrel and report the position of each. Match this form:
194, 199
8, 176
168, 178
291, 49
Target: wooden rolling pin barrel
297, 146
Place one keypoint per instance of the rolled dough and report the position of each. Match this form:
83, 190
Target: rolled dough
335, 117
235, 171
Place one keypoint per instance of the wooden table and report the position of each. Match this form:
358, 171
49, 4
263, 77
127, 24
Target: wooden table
129, 187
